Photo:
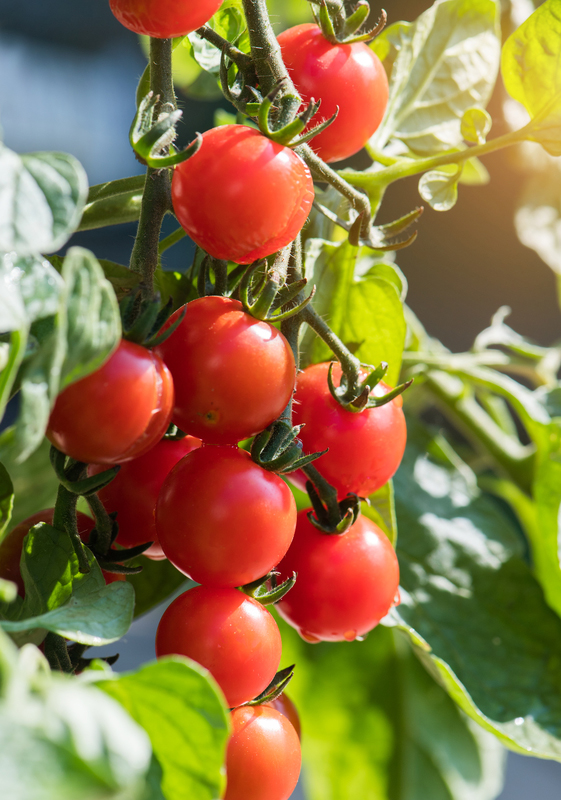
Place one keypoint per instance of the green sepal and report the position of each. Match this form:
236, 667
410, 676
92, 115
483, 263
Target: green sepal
275, 688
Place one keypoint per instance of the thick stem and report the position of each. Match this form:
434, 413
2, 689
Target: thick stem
156, 200
64, 519
290, 327
56, 653
265, 50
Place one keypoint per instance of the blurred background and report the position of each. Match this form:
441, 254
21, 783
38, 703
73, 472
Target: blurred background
68, 77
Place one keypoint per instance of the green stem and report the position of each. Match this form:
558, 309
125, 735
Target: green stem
156, 200
265, 50
56, 653
350, 364
170, 240
103, 524
64, 519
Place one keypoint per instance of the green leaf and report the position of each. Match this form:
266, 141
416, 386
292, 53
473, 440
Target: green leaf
59, 598
476, 124
381, 510
471, 604
157, 581
376, 726
6, 500
439, 188
538, 217
42, 197
440, 65
366, 314
35, 484
228, 22
474, 173
532, 73
121, 278
38, 283
183, 712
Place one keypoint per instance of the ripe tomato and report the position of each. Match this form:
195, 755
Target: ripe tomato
222, 519
242, 197
284, 704
164, 19
117, 412
365, 449
233, 374
230, 634
263, 757
349, 77
11, 547
346, 583
133, 494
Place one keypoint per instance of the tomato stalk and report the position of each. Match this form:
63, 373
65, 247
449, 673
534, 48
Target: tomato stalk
56, 653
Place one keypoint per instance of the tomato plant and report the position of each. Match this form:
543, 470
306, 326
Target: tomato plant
348, 79
230, 634
117, 412
163, 18
261, 191
233, 374
222, 519
263, 758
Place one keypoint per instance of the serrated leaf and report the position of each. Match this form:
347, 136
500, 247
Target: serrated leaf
476, 124
182, 710
440, 189
442, 64
61, 599
6, 500
157, 581
42, 196
532, 73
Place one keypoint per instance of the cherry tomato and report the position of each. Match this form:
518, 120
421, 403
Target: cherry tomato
230, 634
11, 547
233, 374
222, 519
164, 19
117, 412
348, 77
365, 449
242, 196
346, 583
263, 757
285, 706
133, 493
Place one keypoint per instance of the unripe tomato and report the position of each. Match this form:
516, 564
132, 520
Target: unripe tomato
117, 412
346, 583
133, 493
242, 196
164, 19
284, 704
365, 448
230, 634
222, 519
12, 545
233, 374
263, 757
348, 77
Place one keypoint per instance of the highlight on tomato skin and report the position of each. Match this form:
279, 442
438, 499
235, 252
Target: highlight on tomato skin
285, 706
164, 19
263, 758
229, 633
346, 583
242, 197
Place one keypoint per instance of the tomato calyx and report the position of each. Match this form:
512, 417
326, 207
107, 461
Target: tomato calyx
69, 474
358, 397
340, 27
263, 292
142, 319
266, 591
280, 123
275, 688
278, 449
377, 237
152, 140
330, 515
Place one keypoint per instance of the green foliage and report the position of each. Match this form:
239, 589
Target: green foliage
183, 712
439, 188
157, 581
381, 510
6, 500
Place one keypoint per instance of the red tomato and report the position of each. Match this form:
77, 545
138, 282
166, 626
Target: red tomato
117, 412
164, 19
365, 449
230, 634
133, 494
242, 197
11, 547
233, 374
263, 757
222, 519
349, 77
285, 706
346, 583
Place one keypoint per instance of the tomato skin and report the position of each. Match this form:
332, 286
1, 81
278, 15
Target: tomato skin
11, 547
233, 374
263, 757
242, 196
164, 19
285, 706
365, 449
348, 76
117, 412
227, 632
133, 493
345, 584
222, 519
